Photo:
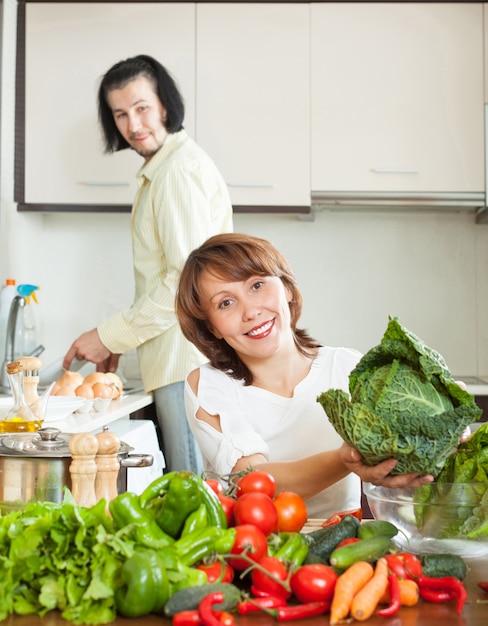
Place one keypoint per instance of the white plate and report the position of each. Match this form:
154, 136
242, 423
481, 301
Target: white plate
58, 407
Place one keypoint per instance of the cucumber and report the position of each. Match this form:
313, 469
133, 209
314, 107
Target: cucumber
323, 541
189, 598
439, 565
369, 549
376, 528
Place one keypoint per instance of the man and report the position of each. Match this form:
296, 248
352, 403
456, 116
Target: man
181, 201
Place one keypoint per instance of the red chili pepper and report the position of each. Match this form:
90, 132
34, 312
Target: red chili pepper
259, 593
191, 617
483, 585
252, 605
299, 611
187, 618
394, 593
445, 584
208, 615
437, 597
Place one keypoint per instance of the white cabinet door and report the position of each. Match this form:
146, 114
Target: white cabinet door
253, 99
69, 46
397, 97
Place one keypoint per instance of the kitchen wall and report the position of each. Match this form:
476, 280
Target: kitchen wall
355, 268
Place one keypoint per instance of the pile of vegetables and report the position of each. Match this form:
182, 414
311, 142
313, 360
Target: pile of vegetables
176, 551
404, 403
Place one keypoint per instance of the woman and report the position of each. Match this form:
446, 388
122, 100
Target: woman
254, 405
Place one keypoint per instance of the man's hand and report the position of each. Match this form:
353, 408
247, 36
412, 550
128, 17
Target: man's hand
380, 474
88, 347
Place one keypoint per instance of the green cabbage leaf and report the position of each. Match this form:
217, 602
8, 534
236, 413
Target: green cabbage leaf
468, 467
403, 403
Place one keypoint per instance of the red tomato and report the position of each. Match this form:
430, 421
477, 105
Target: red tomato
228, 504
251, 540
256, 481
334, 519
346, 542
267, 583
314, 583
217, 572
404, 565
292, 511
215, 485
256, 508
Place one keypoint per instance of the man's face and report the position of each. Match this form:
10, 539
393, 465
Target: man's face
139, 116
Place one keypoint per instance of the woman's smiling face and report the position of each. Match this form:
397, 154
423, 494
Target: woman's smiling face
252, 316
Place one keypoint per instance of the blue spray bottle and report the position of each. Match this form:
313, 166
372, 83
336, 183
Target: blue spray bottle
27, 339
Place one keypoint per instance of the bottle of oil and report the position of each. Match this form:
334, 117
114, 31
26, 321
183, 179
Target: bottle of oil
20, 418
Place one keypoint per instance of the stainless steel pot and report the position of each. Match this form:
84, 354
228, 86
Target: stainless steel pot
35, 466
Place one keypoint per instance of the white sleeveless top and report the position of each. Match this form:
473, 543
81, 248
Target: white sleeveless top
254, 420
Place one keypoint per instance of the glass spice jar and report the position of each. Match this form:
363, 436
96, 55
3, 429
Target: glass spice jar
20, 418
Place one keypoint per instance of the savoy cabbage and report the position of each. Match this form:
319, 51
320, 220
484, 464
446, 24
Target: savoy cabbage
403, 403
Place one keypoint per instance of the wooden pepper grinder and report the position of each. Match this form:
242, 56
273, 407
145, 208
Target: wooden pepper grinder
107, 465
83, 468
31, 366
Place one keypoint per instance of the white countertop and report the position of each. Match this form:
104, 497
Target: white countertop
478, 389
93, 421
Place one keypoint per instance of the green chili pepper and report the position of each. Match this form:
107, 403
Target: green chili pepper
185, 577
156, 489
215, 512
126, 511
195, 546
197, 520
294, 549
145, 587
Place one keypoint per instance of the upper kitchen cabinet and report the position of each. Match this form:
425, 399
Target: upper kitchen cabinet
485, 23
68, 47
253, 99
397, 100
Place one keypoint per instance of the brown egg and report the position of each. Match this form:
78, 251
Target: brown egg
101, 390
85, 391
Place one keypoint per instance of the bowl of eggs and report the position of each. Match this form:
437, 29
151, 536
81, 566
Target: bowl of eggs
97, 389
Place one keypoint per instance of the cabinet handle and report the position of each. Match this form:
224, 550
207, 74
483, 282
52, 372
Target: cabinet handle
104, 183
251, 185
394, 170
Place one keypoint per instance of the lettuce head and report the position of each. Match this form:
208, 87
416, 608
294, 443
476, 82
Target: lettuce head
403, 403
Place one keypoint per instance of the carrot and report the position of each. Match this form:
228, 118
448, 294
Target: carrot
409, 593
347, 585
366, 599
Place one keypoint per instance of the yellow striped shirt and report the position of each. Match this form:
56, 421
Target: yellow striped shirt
182, 200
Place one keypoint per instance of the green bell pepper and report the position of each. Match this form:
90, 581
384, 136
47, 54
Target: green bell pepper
182, 498
145, 586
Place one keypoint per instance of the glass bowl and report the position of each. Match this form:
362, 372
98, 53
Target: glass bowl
435, 518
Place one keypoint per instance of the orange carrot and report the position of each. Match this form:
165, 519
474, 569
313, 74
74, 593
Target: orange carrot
346, 587
366, 599
409, 593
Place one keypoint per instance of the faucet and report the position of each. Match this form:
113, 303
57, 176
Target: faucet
18, 303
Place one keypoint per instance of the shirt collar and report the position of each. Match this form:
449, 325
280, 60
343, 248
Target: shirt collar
171, 143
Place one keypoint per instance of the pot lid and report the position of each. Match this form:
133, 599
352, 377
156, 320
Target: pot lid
46, 442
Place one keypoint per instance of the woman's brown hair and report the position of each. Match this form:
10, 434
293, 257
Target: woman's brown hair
232, 257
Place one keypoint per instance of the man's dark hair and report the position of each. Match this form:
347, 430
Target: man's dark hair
124, 72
